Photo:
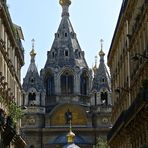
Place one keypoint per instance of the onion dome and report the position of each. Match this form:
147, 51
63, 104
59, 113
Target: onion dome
70, 139
101, 53
65, 2
32, 53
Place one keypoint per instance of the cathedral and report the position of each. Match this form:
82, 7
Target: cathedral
66, 91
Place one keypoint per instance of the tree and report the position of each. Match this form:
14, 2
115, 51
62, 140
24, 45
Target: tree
101, 143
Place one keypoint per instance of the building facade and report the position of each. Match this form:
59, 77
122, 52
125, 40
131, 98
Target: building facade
128, 62
11, 61
64, 89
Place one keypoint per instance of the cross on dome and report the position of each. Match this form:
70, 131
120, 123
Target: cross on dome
32, 53
101, 53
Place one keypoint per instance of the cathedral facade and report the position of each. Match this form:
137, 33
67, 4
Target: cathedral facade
66, 88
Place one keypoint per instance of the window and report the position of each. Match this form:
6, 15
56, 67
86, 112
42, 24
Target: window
67, 83
53, 54
65, 34
83, 83
102, 80
32, 80
104, 97
50, 85
66, 53
79, 54
31, 96
95, 98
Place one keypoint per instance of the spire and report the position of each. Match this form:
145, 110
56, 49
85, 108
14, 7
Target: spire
101, 53
32, 53
65, 5
32, 78
101, 73
70, 135
66, 43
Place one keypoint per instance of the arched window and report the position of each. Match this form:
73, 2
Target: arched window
67, 83
66, 53
49, 85
104, 98
84, 83
32, 80
79, 54
32, 96
53, 54
65, 34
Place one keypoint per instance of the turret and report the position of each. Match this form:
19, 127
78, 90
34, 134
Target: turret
101, 82
32, 85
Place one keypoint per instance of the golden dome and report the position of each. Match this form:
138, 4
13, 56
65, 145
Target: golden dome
65, 2
32, 53
70, 137
101, 53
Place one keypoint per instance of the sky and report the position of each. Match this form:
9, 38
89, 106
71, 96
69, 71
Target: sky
92, 21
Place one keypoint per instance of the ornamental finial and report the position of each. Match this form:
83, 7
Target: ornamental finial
65, 2
101, 41
32, 53
70, 135
101, 53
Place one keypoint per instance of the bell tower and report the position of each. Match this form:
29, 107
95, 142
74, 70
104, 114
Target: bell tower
101, 104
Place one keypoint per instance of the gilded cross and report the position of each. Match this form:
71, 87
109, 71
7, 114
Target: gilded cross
101, 41
33, 41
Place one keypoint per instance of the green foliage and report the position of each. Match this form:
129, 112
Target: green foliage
15, 112
1, 99
101, 143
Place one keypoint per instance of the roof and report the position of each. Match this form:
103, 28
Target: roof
32, 78
101, 77
65, 41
